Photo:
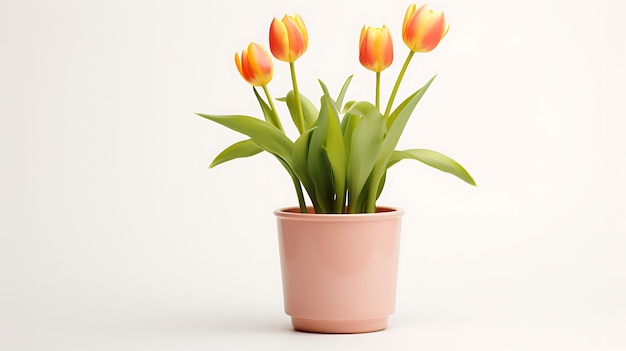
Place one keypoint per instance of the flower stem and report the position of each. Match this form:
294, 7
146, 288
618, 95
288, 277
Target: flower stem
301, 201
378, 91
371, 202
300, 124
397, 85
275, 118
296, 184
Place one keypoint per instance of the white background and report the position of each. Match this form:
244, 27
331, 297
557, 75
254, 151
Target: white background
114, 235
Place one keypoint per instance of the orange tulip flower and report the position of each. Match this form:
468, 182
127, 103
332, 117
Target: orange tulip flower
255, 65
423, 28
289, 38
375, 48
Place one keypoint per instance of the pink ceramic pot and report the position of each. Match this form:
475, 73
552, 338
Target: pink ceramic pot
339, 270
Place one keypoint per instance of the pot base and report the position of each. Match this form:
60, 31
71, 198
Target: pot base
339, 326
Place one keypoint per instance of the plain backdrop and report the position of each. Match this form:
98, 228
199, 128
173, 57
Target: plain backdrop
114, 234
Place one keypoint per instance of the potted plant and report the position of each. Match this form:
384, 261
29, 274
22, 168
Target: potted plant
339, 250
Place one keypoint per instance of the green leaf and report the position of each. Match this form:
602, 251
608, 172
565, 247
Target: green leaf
321, 175
335, 148
358, 204
318, 165
309, 110
348, 125
296, 183
363, 108
434, 159
300, 165
395, 125
381, 185
405, 109
269, 115
265, 135
240, 149
364, 135
342, 92
348, 106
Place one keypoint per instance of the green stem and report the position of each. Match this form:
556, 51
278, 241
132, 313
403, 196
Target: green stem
371, 198
276, 120
296, 183
340, 203
397, 85
378, 91
300, 125
301, 201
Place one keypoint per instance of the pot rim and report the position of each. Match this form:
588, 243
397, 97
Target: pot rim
382, 212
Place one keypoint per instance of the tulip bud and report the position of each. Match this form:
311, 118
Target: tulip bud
423, 28
255, 65
375, 48
288, 38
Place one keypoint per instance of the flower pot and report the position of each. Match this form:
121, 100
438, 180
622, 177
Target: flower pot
339, 271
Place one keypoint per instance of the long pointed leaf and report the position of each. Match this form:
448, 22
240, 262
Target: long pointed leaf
342, 92
399, 119
365, 132
347, 107
245, 148
335, 149
321, 175
265, 135
270, 116
300, 165
381, 185
434, 159
319, 166
296, 183
309, 110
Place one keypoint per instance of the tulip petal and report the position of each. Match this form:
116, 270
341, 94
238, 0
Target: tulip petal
364, 48
297, 43
446, 30
407, 16
248, 73
305, 33
412, 32
363, 32
384, 48
253, 63
432, 37
238, 64
279, 40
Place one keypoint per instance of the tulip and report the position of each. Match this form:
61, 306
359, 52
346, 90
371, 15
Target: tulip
255, 65
376, 48
423, 28
288, 41
422, 31
289, 38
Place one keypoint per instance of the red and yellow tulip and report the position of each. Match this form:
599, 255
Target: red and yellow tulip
255, 65
423, 28
289, 38
375, 48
